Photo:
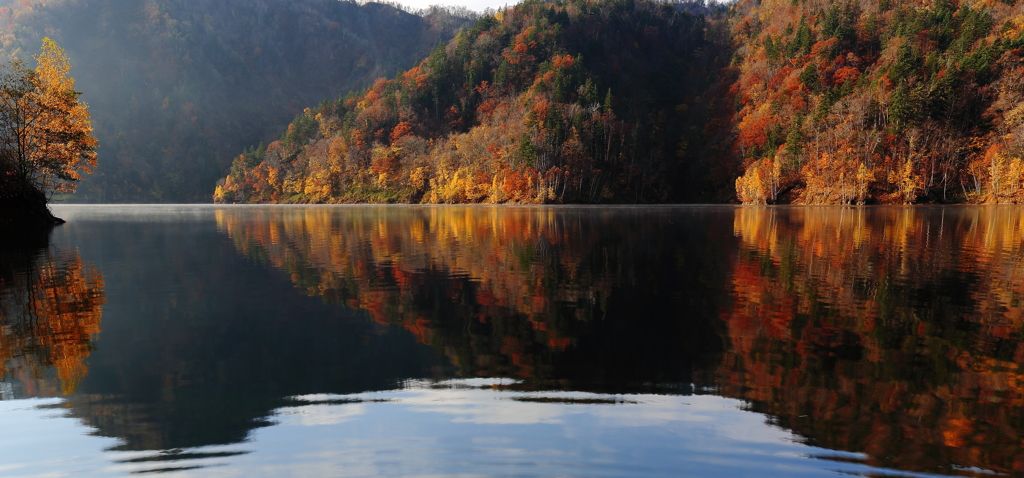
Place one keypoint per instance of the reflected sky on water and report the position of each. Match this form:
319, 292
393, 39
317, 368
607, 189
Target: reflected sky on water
583, 341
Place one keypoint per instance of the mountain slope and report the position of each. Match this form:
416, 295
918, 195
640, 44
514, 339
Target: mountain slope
878, 101
821, 102
176, 87
567, 102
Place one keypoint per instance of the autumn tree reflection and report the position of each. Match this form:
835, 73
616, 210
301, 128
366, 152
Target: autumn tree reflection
502, 292
893, 332
420, 267
50, 308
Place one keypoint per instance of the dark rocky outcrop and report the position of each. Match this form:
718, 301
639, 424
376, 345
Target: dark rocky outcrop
25, 219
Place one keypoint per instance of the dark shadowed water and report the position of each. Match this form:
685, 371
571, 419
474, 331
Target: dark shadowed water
480, 341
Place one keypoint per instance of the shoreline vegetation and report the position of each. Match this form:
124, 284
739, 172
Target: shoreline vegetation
637, 101
46, 142
567, 102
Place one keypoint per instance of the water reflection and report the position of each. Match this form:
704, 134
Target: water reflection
562, 298
887, 337
200, 345
894, 332
50, 308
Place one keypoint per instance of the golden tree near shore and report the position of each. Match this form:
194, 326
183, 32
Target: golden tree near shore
46, 139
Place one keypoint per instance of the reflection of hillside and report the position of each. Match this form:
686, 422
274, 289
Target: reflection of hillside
199, 345
501, 291
894, 332
49, 313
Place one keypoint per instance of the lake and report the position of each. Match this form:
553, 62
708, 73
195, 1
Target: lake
515, 341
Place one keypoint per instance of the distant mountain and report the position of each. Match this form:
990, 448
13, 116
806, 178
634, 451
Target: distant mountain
571, 101
177, 87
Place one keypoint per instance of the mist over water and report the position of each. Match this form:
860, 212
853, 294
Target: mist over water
585, 341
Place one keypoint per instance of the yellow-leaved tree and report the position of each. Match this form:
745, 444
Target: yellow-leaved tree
46, 139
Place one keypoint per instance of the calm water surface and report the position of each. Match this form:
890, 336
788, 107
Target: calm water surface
477, 341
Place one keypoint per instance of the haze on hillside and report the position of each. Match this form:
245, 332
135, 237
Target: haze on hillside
177, 88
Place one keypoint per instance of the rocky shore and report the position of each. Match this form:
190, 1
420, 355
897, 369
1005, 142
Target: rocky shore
25, 218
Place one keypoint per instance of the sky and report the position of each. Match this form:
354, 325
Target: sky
478, 5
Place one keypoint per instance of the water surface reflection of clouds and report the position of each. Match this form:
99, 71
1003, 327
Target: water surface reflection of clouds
455, 427
464, 426
452, 428
38, 440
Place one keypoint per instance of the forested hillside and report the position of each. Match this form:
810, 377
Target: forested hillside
599, 101
775, 101
879, 101
176, 88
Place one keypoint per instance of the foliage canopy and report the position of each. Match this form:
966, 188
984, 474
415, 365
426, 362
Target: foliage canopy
572, 101
46, 140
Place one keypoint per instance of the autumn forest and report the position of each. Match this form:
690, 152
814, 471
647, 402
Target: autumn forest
571, 101
774, 102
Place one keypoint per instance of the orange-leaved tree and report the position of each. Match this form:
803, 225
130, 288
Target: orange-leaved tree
46, 139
